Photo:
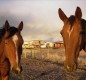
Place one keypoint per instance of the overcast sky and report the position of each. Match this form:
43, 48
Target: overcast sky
40, 17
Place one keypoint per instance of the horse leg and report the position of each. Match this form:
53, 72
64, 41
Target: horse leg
5, 77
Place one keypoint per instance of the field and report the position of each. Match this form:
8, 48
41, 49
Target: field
47, 64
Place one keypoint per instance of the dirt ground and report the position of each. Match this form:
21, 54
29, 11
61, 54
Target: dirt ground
36, 69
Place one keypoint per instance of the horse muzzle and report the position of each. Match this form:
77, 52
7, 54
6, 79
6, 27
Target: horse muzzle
70, 68
17, 70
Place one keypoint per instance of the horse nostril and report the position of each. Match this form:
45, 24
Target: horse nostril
68, 67
16, 72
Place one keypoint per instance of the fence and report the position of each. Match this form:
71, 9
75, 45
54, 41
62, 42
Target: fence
54, 55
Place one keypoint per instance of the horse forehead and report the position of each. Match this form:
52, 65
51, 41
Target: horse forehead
15, 37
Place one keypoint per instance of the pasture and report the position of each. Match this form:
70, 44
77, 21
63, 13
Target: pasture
47, 64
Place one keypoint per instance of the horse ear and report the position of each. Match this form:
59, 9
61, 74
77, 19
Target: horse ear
20, 27
6, 26
78, 13
62, 16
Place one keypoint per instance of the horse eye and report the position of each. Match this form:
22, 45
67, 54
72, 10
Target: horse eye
6, 42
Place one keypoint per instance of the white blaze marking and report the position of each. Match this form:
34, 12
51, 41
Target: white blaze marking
64, 58
69, 31
15, 38
68, 67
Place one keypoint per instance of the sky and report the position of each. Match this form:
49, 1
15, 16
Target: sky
40, 17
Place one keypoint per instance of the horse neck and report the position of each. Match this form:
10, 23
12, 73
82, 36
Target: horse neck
2, 55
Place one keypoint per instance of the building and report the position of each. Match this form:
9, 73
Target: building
58, 44
42, 44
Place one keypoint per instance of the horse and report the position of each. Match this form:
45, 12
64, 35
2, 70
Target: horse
10, 49
74, 37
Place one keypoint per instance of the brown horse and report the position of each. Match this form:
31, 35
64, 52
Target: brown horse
74, 37
10, 50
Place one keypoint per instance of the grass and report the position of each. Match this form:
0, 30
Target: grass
52, 55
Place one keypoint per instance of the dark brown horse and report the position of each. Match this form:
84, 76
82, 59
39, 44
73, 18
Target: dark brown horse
10, 50
74, 37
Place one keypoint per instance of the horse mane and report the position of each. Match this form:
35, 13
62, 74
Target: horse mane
12, 30
83, 42
83, 24
71, 20
2, 33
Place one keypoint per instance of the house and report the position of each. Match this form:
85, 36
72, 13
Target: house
42, 44
38, 43
25, 45
28, 45
49, 44
58, 44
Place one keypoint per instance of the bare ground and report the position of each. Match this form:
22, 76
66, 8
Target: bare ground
37, 69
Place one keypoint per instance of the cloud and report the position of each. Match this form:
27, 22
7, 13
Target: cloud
41, 20
34, 28
12, 19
